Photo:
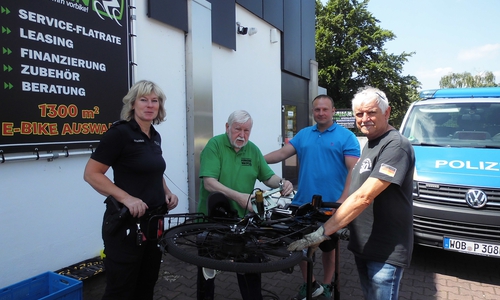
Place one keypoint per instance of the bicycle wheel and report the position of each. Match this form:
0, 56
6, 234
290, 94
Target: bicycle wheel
221, 247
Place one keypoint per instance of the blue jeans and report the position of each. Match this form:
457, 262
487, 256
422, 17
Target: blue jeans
379, 281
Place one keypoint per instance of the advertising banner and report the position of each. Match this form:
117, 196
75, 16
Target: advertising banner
345, 118
65, 68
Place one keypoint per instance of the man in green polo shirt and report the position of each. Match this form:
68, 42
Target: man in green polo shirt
231, 164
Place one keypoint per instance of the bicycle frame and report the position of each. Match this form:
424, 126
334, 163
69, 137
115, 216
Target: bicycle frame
269, 204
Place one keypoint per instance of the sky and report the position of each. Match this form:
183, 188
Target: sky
447, 36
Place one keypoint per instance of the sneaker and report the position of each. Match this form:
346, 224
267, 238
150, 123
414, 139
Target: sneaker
327, 292
209, 273
316, 288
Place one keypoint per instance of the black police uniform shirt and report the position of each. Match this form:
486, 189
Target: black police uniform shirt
136, 160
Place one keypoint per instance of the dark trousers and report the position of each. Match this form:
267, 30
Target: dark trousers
131, 270
250, 286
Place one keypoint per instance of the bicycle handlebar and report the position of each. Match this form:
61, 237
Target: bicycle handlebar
318, 203
271, 204
271, 192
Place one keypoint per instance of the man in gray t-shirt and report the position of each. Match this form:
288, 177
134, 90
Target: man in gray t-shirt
378, 210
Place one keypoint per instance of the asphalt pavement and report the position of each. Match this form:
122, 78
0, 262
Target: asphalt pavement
433, 274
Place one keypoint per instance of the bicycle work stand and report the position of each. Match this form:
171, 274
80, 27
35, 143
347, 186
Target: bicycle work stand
310, 268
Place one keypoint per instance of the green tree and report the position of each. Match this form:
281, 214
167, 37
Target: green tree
350, 54
466, 79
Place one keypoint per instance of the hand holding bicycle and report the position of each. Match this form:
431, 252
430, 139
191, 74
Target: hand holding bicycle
136, 206
286, 187
309, 240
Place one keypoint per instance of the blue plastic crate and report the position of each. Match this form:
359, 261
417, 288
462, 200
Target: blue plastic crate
46, 286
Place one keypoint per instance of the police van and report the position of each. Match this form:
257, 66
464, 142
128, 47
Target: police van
456, 194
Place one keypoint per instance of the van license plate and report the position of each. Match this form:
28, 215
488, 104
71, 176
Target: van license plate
471, 247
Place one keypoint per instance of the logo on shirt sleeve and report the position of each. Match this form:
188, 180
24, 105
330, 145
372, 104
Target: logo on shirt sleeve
387, 170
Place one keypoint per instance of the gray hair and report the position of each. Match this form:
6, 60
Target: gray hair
239, 116
142, 88
368, 94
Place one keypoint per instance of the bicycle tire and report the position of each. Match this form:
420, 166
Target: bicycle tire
181, 242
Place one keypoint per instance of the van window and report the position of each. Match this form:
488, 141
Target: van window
454, 124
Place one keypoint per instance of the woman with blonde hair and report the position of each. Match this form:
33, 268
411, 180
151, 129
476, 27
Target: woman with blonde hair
132, 148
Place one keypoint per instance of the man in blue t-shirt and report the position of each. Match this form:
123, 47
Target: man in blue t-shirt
327, 152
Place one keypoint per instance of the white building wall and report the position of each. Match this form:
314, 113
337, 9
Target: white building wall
161, 58
250, 79
51, 218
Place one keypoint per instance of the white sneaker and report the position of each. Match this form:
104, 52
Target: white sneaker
209, 273
317, 289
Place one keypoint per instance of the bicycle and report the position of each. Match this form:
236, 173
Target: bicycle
224, 242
